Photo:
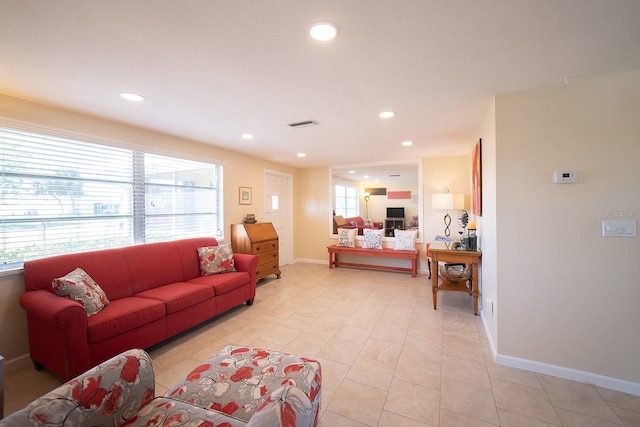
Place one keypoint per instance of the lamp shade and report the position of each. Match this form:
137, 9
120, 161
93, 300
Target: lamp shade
446, 201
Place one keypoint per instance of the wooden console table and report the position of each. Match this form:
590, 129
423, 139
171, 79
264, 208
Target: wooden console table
440, 251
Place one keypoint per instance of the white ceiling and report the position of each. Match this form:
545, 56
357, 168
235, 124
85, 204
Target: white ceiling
212, 70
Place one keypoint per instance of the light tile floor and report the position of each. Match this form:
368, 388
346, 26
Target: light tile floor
388, 358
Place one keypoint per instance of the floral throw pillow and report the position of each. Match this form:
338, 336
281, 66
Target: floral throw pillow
79, 286
372, 238
216, 259
347, 237
405, 239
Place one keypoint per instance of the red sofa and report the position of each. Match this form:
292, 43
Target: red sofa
358, 222
155, 290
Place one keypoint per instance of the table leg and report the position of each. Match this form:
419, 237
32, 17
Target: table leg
474, 286
331, 260
434, 280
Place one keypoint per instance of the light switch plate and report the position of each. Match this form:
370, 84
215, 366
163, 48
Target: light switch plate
619, 228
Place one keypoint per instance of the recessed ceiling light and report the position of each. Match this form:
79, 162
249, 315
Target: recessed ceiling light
387, 114
301, 155
132, 97
247, 136
352, 171
323, 31
407, 143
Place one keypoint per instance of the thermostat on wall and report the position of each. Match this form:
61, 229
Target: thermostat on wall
565, 177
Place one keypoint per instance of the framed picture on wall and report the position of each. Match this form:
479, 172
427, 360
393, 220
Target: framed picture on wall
244, 195
476, 178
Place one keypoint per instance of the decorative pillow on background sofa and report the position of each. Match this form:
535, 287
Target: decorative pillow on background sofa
79, 286
405, 239
347, 237
216, 259
372, 238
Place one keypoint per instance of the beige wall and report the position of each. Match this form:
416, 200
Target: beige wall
569, 297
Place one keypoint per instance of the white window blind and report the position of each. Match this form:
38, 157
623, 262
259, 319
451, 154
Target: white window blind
346, 200
61, 195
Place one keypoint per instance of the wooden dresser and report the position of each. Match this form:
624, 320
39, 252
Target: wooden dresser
258, 239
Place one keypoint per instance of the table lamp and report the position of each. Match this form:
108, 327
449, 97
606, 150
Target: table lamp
447, 201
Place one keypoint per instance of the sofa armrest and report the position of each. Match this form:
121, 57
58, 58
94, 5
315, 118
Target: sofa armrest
247, 263
58, 333
54, 309
107, 395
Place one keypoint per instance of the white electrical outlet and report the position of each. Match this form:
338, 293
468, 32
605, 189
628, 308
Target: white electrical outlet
489, 305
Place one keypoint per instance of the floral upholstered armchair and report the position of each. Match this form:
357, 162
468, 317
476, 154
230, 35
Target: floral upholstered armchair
107, 395
238, 386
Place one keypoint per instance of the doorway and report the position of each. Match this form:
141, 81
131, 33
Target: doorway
278, 210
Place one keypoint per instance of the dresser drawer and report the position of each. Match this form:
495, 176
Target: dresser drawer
267, 258
262, 247
267, 269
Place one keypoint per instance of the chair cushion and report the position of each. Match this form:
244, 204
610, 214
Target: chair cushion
237, 381
163, 411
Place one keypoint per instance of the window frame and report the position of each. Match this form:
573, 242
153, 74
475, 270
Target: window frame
351, 202
216, 213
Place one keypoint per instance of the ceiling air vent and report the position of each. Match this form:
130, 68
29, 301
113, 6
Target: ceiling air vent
303, 124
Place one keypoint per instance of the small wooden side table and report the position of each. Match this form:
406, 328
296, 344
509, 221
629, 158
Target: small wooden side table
441, 251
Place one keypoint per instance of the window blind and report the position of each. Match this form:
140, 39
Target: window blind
61, 195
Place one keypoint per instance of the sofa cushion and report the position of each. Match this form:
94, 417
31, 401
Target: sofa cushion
405, 240
347, 237
107, 267
79, 286
216, 259
223, 283
178, 296
154, 264
123, 315
372, 239
189, 255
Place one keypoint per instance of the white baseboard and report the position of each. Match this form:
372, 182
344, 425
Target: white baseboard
310, 261
562, 372
17, 362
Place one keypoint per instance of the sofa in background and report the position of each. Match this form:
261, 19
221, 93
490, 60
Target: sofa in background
238, 386
354, 222
155, 291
